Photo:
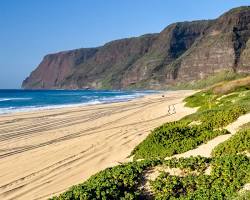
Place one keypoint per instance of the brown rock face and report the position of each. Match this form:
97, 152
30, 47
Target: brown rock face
220, 48
182, 52
54, 68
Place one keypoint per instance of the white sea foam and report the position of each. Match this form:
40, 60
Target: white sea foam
93, 100
13, 99
36, 108
49, 107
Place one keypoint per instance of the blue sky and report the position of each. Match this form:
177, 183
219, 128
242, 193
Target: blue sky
30, 29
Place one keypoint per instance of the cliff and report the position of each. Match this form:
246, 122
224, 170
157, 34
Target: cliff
182, 52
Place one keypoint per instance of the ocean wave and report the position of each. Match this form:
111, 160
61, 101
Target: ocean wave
49, 107
9, 110
90, 100
119, 98
13, 99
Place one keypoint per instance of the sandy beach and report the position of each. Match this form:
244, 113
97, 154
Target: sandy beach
43, 153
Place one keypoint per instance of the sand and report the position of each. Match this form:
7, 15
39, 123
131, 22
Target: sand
45, 152
206, 149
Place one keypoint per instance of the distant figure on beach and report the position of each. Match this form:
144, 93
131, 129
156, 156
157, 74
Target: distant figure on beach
171, 109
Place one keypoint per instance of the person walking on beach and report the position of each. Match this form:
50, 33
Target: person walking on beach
171, 109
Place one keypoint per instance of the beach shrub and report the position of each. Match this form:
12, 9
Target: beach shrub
118, 182
193, 163
227, 177
218, 111
238, 143
218, 118
173, 138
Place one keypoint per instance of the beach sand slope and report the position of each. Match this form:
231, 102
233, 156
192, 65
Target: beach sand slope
45, 152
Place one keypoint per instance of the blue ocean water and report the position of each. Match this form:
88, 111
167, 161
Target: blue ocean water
25, 100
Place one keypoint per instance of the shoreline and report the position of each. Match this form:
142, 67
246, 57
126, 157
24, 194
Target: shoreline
116, 99
45, 152
80, 105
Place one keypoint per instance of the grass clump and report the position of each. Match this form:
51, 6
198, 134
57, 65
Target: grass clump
203, 100
223, 76
173, 138
232, 86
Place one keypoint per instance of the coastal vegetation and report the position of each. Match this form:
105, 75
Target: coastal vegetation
228, 175
222, 76
215, 111
197, 163
237, 144
119, 182
174, 138
221, 176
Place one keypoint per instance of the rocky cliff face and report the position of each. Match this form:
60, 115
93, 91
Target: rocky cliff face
182, 52
54, 68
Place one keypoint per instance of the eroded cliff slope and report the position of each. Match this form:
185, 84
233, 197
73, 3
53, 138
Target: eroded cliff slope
182, 52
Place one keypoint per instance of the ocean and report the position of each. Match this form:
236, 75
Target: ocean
28, 100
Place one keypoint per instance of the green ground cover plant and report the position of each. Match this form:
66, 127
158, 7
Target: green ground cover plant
214, 113
238, 143
119, 182
217, 117
218, 106
192, 163
227, 177
174, 138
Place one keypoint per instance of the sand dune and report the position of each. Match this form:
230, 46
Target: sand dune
43, 153
207, 148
